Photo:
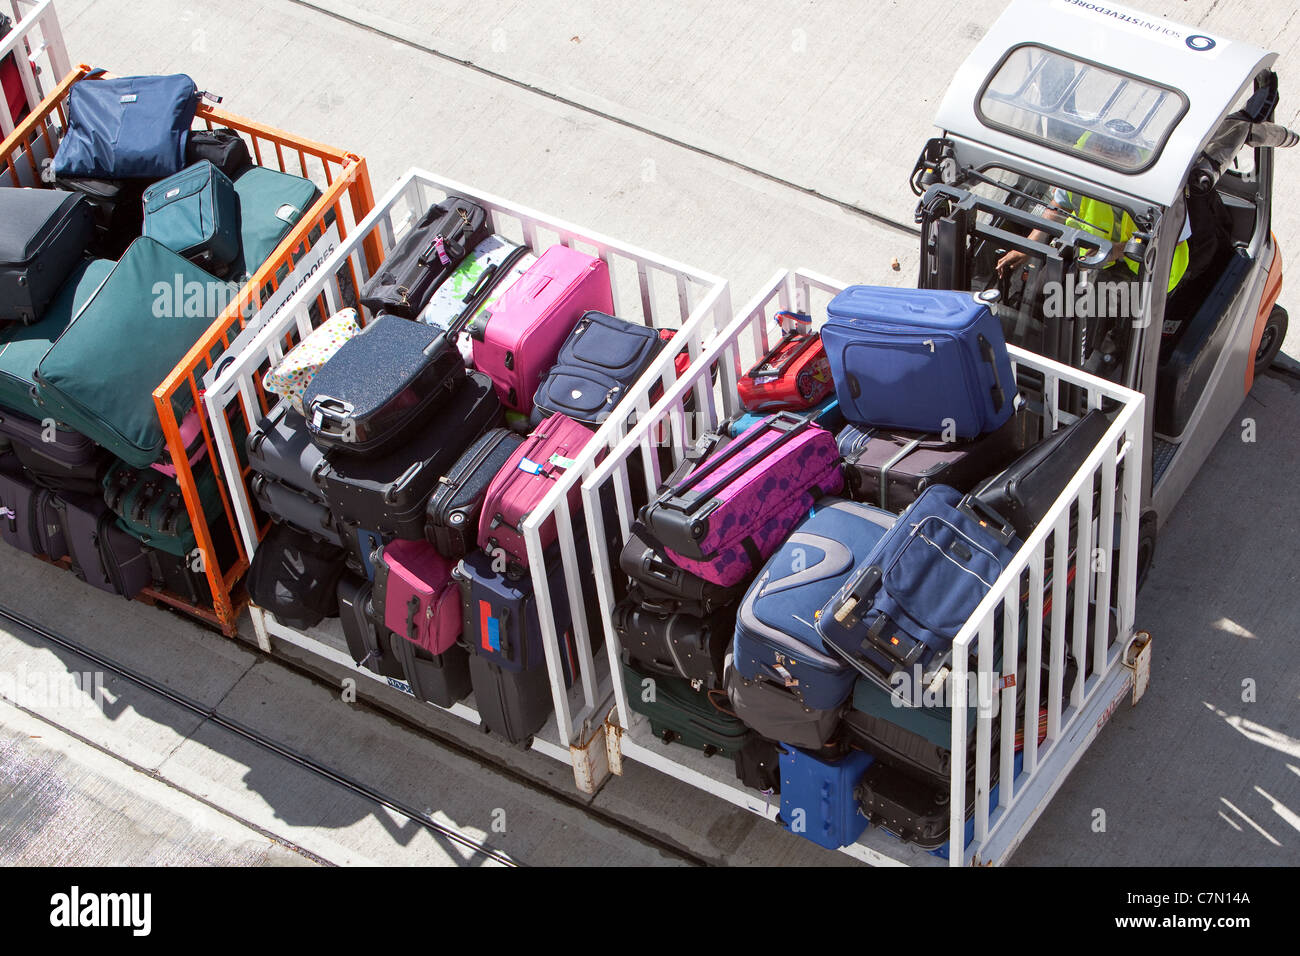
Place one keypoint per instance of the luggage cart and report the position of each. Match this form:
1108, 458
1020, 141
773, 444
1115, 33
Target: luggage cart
36, 44
648, 288
346, 197
1115, 657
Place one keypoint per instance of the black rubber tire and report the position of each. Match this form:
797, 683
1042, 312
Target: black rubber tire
1146, 547
1270, 342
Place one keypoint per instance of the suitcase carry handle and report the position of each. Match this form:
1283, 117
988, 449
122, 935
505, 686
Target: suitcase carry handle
329, 416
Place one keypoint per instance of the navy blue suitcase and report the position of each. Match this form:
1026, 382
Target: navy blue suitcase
602, 357
818, 797
919, 360
28, 519
905, 601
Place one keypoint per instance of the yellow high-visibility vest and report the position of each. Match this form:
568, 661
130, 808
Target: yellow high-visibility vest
1098, 218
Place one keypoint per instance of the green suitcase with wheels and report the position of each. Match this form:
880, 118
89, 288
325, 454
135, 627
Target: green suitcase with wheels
682, 715
271, 203
151, 508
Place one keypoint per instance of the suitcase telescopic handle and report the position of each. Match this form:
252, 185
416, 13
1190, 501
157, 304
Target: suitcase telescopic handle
791, 426
995, 390
809, 340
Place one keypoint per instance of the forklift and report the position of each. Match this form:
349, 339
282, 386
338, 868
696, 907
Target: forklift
1104, 179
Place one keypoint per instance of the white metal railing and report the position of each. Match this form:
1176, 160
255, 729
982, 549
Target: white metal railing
648, 288
1074, 713
36, 43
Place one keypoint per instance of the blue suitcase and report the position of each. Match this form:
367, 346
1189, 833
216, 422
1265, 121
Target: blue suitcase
827, 415
818, 798
902, 606
602, 357
919, 360
196, 214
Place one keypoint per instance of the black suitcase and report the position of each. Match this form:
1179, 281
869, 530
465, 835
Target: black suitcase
892, 468
280, 448
178, 575
451, 518
514, 705
28, 518
295, 577
103, 555
386, 494
440, 679
676, 645
357, 614
68, 461
426, 256
1027, 488
300, 509
44, 233
117, 208
223, 148
912, 810
380, 385
660, 585
758, 765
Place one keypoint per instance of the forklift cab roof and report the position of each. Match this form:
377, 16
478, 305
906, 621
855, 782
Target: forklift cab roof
1099, 91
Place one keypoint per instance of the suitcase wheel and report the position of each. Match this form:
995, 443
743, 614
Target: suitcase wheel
710, 750
668, 736
805, 386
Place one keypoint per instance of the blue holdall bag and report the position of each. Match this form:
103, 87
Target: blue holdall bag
919, 360
905, 602
127, 127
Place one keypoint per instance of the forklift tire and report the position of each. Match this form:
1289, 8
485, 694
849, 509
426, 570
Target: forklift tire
1270, 342
1146, 547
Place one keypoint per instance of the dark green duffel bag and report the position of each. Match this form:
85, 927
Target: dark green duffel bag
150, 507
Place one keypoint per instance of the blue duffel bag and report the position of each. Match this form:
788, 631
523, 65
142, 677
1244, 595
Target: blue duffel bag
901, 608
128, 127
918, 360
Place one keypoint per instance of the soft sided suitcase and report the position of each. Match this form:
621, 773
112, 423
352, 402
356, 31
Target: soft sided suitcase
890, 468
152, 508
776, 639
481, 277
425, 257
415, 595
117, 208
452, 514
794, 374
195, 213
44, 233
602, 357
818, 799
676, 645
28, 519
773, 709
98, 379
127, 127
388, 494
661, 586
102, 554
527, 477
517, 340
381, 383
66, 461
906, 600
919, 360
271, 203
734, 509
291, 376
300, 509
295, 577
357, 615
680, 714
440, 679
280, 448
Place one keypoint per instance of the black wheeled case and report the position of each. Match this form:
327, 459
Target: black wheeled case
451, 518
280, 448
676, 645
660, 585
441, 679
103, 555
357, 614
298, 508
514, 705
44, 233
68, 461
387, 494
28, 518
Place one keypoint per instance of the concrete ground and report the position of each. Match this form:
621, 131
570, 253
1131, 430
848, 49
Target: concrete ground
742, 139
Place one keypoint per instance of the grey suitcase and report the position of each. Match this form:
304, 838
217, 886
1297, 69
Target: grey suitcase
103, 555
280, 448
44, 233
300, 509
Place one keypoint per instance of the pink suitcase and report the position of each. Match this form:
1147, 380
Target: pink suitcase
517, 340
415, 595
192, 435
524, 480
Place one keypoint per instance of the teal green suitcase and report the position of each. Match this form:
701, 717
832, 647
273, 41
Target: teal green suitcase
99, 375
679, 714
23, 346
150, 507
195, 213
271, 203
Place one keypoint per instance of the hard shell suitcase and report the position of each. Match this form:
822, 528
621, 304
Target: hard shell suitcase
223, 148
43, 235
425, 257
680, 714
452, 515
295, 577
98, 380
919, 360
525, 480
23, 346
676, 645
794, 374
602, 357
440, 679
818, 801
117, 209
291, 376
776, 638
357, 614
415, 595
481, 277
380, 384
512, 704
103, 555
195, 213
776, 712
388, 494
1028, 487
271, 203
517, 340
28, 519
280, 448
890, 468
660, 585
300, 509
733, 510
907, 599
67, 462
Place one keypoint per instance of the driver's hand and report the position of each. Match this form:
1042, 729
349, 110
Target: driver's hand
1010, 261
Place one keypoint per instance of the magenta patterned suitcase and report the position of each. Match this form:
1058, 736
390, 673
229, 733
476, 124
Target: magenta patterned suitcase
524, 480
415, 596
733, 510
517, 339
